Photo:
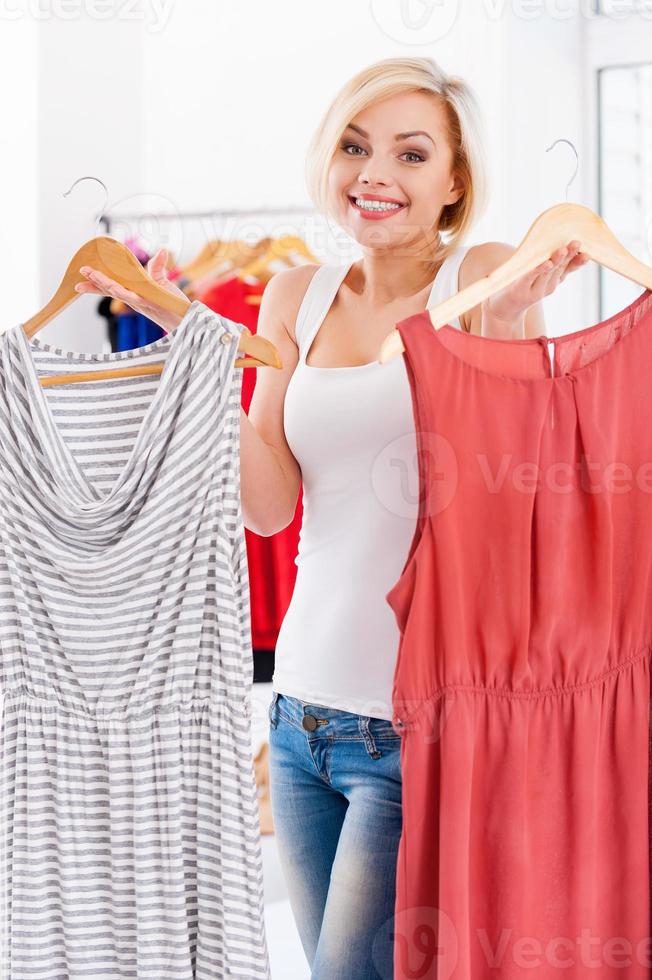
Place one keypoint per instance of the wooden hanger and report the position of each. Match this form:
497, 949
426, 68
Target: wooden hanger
223, 263
553, 229
280, 250
116, 261
208, 251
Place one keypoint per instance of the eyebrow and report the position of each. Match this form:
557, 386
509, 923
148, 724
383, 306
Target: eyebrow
399, 136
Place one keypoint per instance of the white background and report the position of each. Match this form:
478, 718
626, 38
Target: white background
194, 105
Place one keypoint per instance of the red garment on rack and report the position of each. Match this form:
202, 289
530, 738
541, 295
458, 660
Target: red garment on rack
272, 568
522, 686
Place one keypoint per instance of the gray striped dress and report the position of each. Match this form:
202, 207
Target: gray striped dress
129, 838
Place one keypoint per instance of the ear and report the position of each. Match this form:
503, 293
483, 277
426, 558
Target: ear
456, 191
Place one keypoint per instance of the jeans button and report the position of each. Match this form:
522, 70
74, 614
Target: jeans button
309, 722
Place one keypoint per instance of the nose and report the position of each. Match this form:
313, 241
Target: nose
372, 176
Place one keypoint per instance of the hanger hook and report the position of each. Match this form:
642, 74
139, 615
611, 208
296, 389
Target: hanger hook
106, 198
562, 139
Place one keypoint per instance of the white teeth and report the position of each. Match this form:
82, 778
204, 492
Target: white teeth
376, 205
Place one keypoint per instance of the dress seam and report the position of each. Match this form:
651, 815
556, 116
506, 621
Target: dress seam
135, 712
537, 692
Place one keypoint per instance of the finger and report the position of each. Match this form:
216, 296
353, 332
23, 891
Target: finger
554, 280
108, 287
578, 261
542, 272
575, 260
548, 282
560, 260
541, 276
559, 255
157, 264
561, 268
531, 278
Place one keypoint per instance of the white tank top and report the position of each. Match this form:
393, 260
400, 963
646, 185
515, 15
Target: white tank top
352, 431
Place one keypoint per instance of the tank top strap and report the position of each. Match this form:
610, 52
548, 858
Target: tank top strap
322, 290
316, 302
446, 282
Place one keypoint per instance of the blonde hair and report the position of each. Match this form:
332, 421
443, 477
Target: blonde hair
464, 131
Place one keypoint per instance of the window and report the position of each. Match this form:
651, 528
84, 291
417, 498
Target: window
625, 170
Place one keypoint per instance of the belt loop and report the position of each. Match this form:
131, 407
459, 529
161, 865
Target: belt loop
363, 725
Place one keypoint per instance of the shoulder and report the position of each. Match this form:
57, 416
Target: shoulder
285, 291
479, 261
482, 259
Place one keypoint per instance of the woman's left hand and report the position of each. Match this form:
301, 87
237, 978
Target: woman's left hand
507, 308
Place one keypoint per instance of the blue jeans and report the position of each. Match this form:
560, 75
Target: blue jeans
336, 804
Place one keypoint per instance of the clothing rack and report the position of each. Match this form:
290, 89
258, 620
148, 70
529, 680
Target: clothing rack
107, 219
184, 232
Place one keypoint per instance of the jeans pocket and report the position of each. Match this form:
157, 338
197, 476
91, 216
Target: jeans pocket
382, 729
271, 712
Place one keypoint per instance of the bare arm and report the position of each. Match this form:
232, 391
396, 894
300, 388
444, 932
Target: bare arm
270, 477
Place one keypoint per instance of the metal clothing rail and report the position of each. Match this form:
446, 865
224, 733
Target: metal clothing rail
107, 219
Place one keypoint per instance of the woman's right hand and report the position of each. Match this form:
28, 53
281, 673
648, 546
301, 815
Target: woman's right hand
96, 282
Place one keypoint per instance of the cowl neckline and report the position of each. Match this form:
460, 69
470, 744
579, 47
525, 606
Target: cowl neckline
47, 476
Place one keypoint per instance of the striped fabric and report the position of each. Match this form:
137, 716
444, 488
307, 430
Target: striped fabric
129, 836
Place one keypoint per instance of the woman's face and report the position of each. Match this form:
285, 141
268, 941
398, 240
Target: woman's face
391, 175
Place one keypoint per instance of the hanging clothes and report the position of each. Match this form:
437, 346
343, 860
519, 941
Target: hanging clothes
128, 813
135, 330
272, 568
104, 310
522, 687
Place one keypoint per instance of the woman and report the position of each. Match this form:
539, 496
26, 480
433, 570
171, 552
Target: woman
397, 162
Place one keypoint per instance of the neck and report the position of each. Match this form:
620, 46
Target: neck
395, 275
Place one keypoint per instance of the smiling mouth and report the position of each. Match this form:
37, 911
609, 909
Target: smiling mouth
375, 207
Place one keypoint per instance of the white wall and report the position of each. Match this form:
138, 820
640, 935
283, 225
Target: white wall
19, 227
545, 99
90, 121
195, 105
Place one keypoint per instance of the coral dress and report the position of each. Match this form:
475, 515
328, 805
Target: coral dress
522, 686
